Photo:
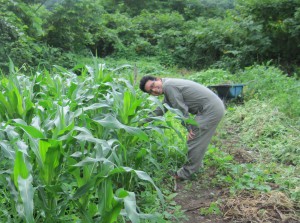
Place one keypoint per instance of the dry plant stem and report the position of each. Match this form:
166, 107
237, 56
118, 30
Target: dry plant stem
269, 207
175, 185
196, 208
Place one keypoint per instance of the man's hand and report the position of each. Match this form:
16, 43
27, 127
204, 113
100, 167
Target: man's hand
191, 135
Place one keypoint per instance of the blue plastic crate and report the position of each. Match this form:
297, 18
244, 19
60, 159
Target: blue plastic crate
228, 91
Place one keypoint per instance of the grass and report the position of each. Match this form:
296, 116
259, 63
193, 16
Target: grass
76, 137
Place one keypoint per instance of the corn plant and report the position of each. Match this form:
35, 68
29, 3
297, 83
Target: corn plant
71, 158
15, 101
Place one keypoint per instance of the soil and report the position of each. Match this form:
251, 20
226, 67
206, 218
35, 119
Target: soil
197, 195
192, 197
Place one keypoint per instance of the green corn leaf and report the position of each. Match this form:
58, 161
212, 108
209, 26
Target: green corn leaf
84, 189
112, 123
20, 168
5, 105
121, 193
89, 160
108, 206
141, 174
30, 130
11, 66
26, 194
11, 133
83, 129
157, 102
72, 90
13, 101
68, 128
33, 135
107, 194
7, 149
131, 207
19, 101
96, 106
106, 147
126, 106
180, 115
121, 67
22, 146
129, 200
112, 215
50, 152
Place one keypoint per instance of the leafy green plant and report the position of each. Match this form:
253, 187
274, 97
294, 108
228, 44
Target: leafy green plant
213, 77
16, 98
76, 151
212, 209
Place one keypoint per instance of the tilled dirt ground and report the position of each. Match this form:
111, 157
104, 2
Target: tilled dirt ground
192, 197
245, 207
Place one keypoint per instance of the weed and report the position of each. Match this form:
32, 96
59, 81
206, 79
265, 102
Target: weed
213, 209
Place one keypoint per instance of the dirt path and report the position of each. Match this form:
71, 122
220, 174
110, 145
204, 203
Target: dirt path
198, 194
193, 197
199, 199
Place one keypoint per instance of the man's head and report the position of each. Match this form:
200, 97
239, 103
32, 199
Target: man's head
151, 85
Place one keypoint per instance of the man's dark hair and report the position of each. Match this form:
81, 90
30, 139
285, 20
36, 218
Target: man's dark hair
144, 80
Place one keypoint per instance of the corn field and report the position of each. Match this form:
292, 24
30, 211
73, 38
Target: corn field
71, 147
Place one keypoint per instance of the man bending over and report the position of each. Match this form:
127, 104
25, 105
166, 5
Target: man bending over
189, 97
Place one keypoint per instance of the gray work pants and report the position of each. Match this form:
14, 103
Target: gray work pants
199, 144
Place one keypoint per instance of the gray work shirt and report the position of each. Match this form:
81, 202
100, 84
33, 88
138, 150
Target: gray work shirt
190, 97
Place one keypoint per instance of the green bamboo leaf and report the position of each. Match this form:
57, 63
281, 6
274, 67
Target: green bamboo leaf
26, 194
112, 123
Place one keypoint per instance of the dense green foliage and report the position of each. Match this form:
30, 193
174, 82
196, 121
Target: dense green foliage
72, 149
192, 34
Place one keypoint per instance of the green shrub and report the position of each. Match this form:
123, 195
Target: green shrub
268, 82
213, 77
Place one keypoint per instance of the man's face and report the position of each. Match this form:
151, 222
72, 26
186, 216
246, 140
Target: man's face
154, 87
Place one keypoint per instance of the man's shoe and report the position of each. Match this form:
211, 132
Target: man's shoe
175, 175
